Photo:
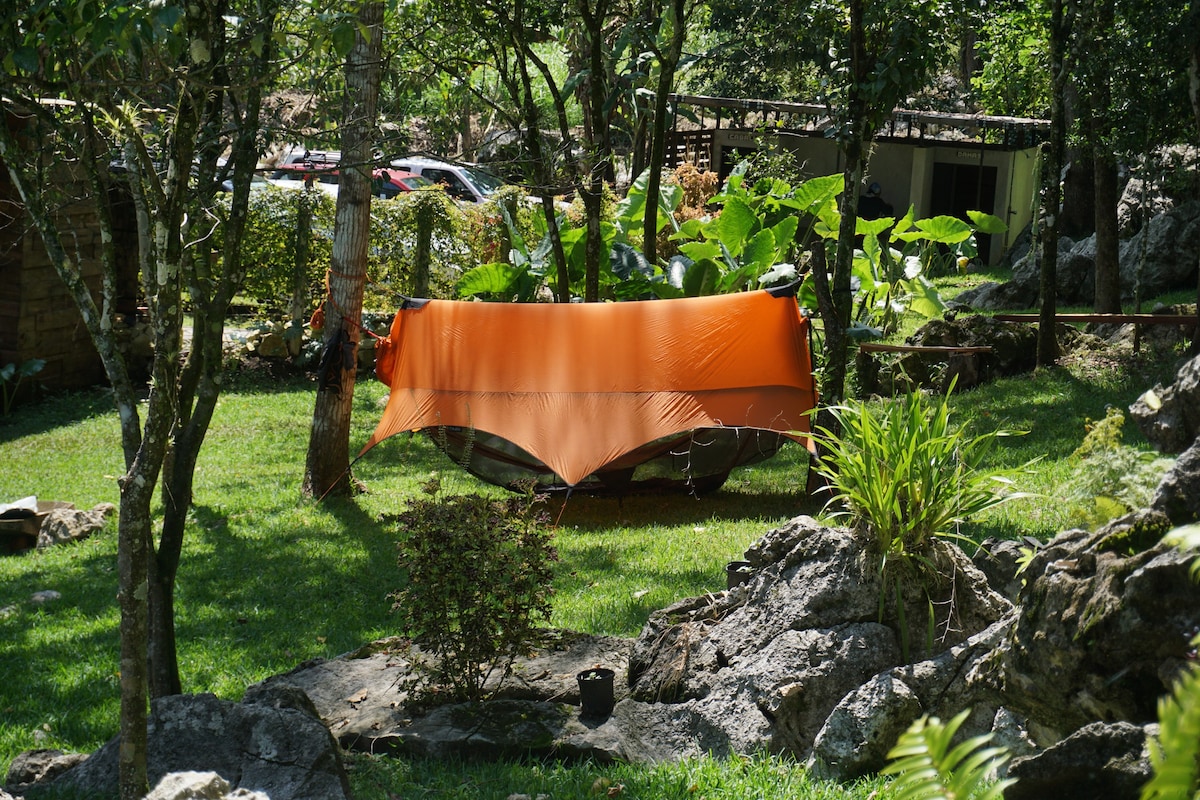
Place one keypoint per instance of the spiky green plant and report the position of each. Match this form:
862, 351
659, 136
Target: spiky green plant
905, 474
928, 768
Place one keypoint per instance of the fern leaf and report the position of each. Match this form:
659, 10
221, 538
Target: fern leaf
1174, 755
926, 768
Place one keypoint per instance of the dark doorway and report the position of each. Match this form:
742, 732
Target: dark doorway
959, 188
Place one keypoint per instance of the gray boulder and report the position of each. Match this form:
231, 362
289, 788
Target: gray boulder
363, 697
1013, 351
1170, 416
199, 786
284, 753
1100, 761
1178, 495
1163, 252
803, 632
865, 725
39, 766
62, 525
1102, 629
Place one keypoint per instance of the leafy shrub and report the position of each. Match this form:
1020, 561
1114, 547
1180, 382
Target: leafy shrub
268, 251
927, 768
479, 579
1110, 478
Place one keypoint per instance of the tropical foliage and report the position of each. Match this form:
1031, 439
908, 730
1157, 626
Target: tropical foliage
928, 766
903, 476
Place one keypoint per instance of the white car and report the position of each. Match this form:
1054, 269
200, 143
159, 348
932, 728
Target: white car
463, 181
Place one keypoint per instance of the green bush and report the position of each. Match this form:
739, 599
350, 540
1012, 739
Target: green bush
1111, 479
904, 474
480, 574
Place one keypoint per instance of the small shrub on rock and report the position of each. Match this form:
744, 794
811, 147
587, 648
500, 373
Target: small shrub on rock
480, 573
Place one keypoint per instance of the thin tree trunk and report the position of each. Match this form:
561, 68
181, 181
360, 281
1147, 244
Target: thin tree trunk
1193, 25
1047, 342
1104, 163
327, 467
598, 147
854, 150
1108, 264
668, 62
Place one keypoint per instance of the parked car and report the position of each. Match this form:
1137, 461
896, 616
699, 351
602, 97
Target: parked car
388, 183
463, 181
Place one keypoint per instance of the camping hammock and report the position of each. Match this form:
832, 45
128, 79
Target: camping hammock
600, 395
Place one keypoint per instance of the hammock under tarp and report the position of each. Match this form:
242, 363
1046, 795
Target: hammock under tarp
600, 394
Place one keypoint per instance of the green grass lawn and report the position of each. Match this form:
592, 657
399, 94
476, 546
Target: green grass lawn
268, 580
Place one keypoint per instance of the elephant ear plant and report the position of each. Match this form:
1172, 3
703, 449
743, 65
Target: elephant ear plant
906, 478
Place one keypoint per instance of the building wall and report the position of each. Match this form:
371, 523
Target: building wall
906, 171
38, 315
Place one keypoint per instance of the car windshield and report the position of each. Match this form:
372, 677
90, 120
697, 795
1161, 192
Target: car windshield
487, 182
412, 182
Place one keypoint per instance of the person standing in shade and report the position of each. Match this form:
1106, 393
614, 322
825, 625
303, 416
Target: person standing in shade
872, 205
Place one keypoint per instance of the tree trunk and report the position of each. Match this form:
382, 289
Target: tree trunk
1047, 342
598, 148
668, 62
854, 151
1193, 26
1108, 268
327, 467
1108, 261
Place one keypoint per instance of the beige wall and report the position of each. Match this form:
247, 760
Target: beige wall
904, 169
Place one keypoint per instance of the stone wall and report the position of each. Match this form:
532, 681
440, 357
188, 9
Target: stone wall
38, 316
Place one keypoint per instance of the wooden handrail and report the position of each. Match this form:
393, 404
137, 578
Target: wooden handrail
876, 347
1118, 319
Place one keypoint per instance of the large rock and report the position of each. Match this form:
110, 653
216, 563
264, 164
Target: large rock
1013, 351
1100, 761
1103, 628
865, 725
362, 697
1170, 416
803, 632
1178, 495
199, 786
71, 525
39, 766
282, 752
1162, 256
1159, 258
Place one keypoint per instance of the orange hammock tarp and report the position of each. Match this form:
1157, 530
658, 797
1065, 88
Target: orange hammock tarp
582, 387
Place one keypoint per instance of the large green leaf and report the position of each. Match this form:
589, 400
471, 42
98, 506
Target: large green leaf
760, 250
785, 233
701, 250
816, 193
692, 229
987, 223
489, 279
945, 229
735, 224
925, 298
701, 278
